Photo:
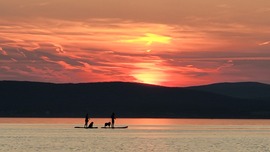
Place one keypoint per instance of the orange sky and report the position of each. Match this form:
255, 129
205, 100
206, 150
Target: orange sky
170, 43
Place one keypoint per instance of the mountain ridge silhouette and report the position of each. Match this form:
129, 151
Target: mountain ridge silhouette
39, 99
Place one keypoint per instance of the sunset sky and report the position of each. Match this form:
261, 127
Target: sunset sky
163, 42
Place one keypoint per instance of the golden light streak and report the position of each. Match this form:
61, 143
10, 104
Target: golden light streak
149, 39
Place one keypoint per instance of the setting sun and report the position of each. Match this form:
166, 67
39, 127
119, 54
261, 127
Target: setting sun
149, 73
150, 78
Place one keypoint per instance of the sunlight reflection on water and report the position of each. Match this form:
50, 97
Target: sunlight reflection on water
139, 121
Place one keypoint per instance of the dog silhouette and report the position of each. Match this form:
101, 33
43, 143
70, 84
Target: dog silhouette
107, 124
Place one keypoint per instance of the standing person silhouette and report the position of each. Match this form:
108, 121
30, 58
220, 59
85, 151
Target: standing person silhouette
86, 120
113, 117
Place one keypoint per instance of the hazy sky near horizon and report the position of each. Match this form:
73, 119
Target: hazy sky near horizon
165, 42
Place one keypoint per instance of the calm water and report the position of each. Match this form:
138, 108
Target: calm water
143, 135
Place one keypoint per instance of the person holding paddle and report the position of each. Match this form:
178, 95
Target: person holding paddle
86, 120
113, 117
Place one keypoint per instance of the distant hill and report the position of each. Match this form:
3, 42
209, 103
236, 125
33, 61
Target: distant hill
34, 99
247, 90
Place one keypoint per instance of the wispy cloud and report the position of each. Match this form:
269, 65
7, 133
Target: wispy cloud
3, 52
265, 43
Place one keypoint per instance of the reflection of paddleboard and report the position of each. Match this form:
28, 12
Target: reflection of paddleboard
124, 127
86, 127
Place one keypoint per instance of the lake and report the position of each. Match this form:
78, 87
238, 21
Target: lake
143, 135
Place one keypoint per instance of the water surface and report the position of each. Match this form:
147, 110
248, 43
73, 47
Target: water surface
143, 135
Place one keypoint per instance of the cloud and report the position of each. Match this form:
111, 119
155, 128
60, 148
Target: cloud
227, 64
175, 12
46, 64
3, 52
265, 43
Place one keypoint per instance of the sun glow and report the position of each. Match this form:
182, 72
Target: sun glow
149, 39
149, 73
150, 78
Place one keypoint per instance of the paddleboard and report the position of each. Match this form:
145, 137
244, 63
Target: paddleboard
123, 127
86, 127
